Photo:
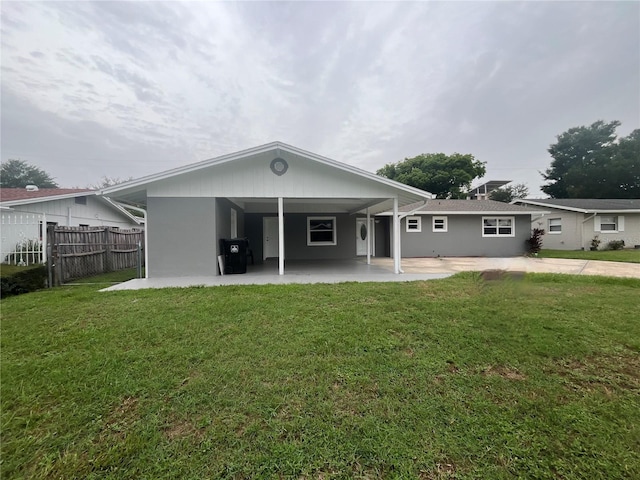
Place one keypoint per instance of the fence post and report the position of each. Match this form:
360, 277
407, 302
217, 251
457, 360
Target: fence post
54, 261
107, 249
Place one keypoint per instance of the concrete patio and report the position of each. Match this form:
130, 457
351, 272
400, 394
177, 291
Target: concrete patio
381, 270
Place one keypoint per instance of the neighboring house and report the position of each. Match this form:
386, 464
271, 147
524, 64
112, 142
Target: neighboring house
571, 224
289, 203
482, 191
466, 228
25, 212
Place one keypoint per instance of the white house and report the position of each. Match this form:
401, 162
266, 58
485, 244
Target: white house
25, 213
573, 223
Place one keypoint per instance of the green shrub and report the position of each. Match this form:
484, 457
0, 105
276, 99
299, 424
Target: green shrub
615, 245
24, 280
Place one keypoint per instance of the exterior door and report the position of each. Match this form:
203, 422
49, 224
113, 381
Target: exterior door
270, 237
362, 236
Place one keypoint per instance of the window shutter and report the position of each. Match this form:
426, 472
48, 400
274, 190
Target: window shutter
620, 223
596, 223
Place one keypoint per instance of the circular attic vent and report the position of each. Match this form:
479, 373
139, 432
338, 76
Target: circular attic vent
279, 166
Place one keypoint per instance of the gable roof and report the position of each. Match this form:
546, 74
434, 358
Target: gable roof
468, 207
132, 190
14, 197
22, 195
586, 205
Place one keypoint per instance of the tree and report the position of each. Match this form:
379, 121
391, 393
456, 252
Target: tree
445, 176
591, 162
108, 182
508, 193
19, 174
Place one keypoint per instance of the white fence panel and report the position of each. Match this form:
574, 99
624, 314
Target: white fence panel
23, 238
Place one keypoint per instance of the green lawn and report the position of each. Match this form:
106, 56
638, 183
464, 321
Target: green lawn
626, 255
111, 277
454, 378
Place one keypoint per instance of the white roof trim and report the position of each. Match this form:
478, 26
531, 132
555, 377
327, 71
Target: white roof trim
575, 209
257, 150
27, 201
50, 198
107, 200
473, 212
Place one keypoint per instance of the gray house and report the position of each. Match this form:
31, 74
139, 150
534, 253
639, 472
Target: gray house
289, 203
442, 228
571, 224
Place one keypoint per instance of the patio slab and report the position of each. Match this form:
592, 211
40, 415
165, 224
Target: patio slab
381, 270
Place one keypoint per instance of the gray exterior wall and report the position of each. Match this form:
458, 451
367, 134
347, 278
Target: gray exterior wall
630, 235
223, 219
295, 237
464, 238
182, 237
571, 236
382, 226
578, 229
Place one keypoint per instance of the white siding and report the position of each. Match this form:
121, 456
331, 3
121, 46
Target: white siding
253, 178
67, 213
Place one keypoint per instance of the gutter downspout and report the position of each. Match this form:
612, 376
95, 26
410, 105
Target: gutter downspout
146, 233
582, 229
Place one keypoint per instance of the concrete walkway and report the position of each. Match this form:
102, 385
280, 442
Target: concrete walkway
515, 264
381, 270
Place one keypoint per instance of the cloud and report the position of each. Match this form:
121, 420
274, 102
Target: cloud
159, 84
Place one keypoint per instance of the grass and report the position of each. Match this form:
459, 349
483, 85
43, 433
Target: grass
626, 255
455, 378
111, 277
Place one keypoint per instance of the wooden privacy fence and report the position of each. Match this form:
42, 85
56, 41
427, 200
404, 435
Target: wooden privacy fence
78, 252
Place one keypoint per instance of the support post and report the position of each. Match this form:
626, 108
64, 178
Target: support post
280, 236
368, 237
396, 237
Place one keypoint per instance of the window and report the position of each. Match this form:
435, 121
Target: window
414, 224
81, 200
555, 225
609, 223
498, 227
440, 224
321, 231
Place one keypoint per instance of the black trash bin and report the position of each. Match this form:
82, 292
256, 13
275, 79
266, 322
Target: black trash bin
235, 254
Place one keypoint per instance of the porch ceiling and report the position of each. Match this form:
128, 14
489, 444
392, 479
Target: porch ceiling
317, 205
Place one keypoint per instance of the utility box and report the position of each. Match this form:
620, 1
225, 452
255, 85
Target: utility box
235, 254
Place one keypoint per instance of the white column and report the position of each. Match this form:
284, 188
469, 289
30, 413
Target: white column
280, 236
368, 238
396, 237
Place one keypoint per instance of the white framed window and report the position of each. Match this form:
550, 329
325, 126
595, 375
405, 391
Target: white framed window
498, 227
609, 223
414, 224
321, 231
440, 224
554, 225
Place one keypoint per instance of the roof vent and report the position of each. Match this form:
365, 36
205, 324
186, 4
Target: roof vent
32, 188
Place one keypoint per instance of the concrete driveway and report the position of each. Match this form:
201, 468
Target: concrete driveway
514, 264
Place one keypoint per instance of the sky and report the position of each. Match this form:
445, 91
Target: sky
128, 89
